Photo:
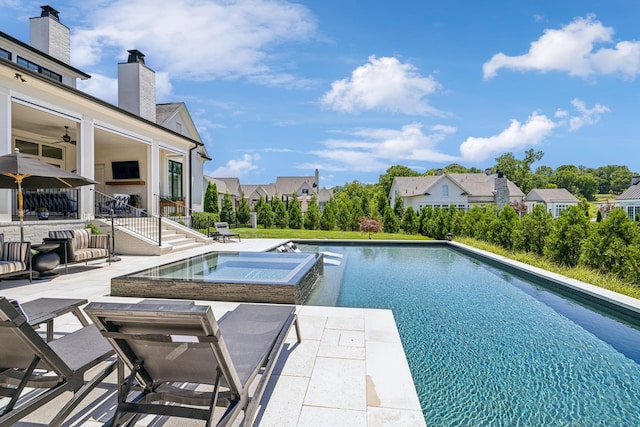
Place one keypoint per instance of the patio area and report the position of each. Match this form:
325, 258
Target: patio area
350, 368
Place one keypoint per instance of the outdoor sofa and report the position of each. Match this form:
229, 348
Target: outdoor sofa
79, 245
15, 258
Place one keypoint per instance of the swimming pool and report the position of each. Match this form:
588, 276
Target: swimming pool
486, 347
227, 276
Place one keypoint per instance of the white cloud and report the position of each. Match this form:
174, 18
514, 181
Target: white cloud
586, 116
101, 87
383, 84
237, 168
375, 149
195, 39
572, 49
516, 136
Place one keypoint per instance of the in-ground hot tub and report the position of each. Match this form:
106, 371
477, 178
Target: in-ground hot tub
230, 276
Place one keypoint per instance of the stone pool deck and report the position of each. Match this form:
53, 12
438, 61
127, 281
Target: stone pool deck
350, 368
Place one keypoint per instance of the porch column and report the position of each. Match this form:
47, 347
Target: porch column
153, 177
5, 148
85, 164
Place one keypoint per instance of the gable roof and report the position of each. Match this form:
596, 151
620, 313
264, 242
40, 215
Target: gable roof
226, 185
291, 184
551, 195
631, 193
473, 184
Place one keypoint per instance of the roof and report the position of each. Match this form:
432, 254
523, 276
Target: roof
164, 111
291, 184
473, 184
226, 185
631, 193
551, 195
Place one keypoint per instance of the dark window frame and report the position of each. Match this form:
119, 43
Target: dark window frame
39, 69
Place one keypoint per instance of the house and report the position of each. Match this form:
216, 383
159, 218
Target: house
555, 200
285, 187
629, 200
136, 147
462, 190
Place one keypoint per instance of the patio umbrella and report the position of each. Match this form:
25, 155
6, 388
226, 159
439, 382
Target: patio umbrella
18, 171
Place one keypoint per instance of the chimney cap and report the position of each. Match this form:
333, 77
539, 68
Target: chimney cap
49, 11
135, 56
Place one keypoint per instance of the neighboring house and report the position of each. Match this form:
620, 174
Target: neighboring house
226, 186
462, 190
285, 187
555, 200
138, 147
629, 200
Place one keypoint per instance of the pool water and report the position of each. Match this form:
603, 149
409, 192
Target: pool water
488, 348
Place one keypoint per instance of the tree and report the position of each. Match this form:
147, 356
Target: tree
226, 212
390, 221
398, 207
519, 171
243, 211
410, 221
211, 198
264, 213
564, 244
312, 216
503, 226
295, 213
531, 232
280, 214
368, 225
328, 219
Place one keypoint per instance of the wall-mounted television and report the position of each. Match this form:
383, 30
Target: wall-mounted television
125, 170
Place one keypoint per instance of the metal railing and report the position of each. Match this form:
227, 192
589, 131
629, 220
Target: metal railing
47, 203
177, 211
122, 214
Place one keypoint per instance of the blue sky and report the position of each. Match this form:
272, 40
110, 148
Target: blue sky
279, 88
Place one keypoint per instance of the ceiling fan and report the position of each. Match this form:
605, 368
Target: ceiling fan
66, 137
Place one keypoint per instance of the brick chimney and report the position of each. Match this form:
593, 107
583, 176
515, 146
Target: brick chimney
48, 35
137, 86
501, 192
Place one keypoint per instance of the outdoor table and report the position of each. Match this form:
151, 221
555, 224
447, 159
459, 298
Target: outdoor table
46, 259
44, 310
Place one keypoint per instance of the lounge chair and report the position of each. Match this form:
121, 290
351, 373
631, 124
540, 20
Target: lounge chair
15, 259
173, 347
223, 232
27, 361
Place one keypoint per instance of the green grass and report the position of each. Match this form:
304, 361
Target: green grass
288, 233
606, 281
579, 273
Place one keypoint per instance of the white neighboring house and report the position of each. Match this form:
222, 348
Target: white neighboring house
462, 190
555, 200
629, 200
136, 148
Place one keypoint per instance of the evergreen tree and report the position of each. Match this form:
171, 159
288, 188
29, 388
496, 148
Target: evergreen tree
564, 244
226, 212
391, 224
211, 198
328, 219
312, 216
531, 232
295, 213
264, 213
398, 207
281, 216
243, 211
410, 221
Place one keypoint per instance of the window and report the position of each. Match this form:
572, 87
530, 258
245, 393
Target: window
5, 54
633, 211
175, 180
38, 69
559, 209
445, 191
47, 153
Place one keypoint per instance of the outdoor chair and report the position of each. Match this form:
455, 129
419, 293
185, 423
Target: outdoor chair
79, 245
179, 354
15, 258
223, 232
27, 361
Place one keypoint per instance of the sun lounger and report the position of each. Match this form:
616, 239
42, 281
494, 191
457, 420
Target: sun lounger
223, 232
173, 348
27, 361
